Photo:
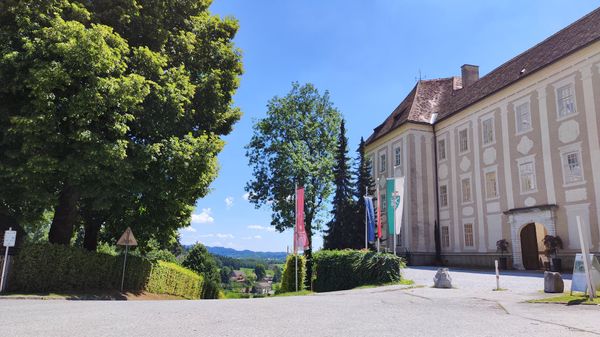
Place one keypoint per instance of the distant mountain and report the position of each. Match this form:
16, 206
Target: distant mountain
246, 254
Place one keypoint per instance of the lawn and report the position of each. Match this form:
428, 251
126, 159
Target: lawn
569, 299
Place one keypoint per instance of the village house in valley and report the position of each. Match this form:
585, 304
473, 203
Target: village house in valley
512, 155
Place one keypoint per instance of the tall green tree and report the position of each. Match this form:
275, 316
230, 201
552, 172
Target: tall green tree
294, 144
260, 271
364, 185
112, 112
201, 261
339, 234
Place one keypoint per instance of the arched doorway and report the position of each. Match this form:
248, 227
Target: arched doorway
532, 236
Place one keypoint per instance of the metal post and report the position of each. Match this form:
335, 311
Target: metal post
497, 275
378, 212
295, 232
366, 235
124, 263
2, 281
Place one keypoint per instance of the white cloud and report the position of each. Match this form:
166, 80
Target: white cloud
229, 202
189, 229
204, 216
262, 228
246, 196
206, 236
258, 237
255, 237
224, 236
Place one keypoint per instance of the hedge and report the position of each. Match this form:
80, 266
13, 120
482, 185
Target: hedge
347, 269
288, 279
47, 267
173, 279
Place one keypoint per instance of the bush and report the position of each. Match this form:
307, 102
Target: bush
161, 255
47, 267
170, 278
288, 280
347, 269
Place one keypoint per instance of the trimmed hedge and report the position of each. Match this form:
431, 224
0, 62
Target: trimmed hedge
173, 279
48, 267
288, 279
347, 269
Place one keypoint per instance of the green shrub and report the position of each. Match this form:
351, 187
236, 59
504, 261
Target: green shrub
161, 255
48, 267
170, 278
347, 269
288, 279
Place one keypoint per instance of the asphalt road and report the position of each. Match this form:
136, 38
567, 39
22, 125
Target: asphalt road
470, 310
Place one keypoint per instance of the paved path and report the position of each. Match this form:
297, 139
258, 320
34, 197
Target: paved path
471, 309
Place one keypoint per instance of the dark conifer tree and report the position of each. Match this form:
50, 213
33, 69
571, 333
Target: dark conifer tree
337, 235
364, 183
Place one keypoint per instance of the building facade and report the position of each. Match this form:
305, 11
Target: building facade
512, 155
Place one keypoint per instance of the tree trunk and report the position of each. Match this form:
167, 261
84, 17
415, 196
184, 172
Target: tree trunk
92, 223
65, 216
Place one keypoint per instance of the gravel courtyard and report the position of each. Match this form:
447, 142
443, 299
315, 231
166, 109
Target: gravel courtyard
471, 309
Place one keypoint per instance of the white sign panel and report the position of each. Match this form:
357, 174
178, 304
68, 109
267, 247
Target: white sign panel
578, 282
9, 238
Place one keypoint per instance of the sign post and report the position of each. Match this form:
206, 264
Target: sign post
10, 237
127, 239
497, 275
586, 262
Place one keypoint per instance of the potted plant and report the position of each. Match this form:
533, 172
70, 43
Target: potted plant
553, 244
502, 247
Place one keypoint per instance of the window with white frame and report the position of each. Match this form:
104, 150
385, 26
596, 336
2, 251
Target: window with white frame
487, 127
398, 156
491, 185
445, 236
469, 235
565, 100
463, 140
466, 189
371, 167
443, 195
523, 118
527, 176
382, 162
572, 167
441, 149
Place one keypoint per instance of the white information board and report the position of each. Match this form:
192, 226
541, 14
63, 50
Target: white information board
9, 238
578, 282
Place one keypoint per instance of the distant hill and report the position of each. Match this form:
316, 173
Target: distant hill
246, 254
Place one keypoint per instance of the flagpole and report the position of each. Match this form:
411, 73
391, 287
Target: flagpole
378, 214
295, 231
366, 238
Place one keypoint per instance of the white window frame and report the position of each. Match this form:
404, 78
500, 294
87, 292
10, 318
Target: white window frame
442, 155
484, 141
442, 206
382, 161
523, 102
558, 86
470, 223
523, 161
445, 236
465, 129
372, 167
574, 148
462, 191
486, 171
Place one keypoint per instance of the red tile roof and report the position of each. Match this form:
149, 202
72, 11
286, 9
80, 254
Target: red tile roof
444, 96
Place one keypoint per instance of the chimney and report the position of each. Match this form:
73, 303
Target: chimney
470, 74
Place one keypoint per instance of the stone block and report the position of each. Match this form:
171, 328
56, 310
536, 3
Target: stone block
553, 282
442, 279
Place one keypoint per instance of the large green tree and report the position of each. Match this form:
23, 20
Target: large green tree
112, 112
340, 232
294, 145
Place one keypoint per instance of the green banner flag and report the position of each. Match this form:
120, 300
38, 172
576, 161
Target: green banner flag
389, 193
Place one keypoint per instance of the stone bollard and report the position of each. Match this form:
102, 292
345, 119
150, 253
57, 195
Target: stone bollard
553, 282
442, 279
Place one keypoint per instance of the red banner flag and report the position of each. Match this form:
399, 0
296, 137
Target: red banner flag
379, 234
300, 238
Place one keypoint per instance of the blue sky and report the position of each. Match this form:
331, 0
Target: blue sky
368, 54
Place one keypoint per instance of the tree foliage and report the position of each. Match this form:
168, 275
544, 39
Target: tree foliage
294, 144
261, 271
112, 112
364, 184
202, 262
341, 232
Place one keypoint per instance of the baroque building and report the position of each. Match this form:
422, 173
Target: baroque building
512, 155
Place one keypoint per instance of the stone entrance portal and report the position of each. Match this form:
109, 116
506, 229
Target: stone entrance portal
528, 225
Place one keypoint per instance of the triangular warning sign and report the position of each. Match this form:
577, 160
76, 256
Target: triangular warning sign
127, 239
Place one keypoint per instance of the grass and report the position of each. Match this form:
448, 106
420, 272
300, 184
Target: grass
295, 293
568, 299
